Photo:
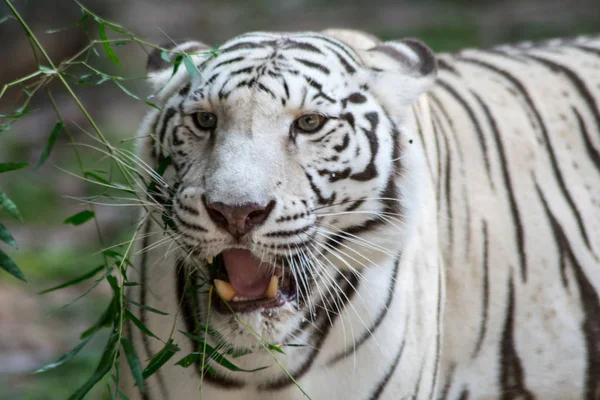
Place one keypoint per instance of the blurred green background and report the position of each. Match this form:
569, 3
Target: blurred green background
32, 329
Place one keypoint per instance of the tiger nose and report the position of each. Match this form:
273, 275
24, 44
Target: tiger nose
238, 220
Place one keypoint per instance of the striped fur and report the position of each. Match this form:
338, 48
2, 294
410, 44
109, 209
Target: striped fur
443, 225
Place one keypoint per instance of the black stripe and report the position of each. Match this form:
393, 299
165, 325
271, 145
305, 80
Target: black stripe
446, 388
438, 336
337, 44
294, 232
591, 103
514, 208
485, 291
310, 81
476, 124
590, 304
243, 46
544, 130
464, 395
189, 225
168, 115
265, 89
347, 66
370, 171
512, 382
588, 49
370, 332
380, 387
313, 65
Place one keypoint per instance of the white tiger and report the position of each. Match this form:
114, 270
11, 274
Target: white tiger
401, 225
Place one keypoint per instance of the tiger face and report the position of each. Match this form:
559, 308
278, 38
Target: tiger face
293, 171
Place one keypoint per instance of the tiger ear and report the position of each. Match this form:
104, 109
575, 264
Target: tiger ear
402, 69
160, 71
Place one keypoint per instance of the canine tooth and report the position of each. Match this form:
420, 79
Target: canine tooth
225, 290
273, 286
210, 259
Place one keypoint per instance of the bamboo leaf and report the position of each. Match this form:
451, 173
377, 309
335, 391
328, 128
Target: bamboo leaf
65, 357
7, 264
109, 51
75, 281
7, 237
139, 324
5, 167
50, 143
147, 308
134, 362
190, 66
80, 218
7, 205
124, 89
160, 359
104, 367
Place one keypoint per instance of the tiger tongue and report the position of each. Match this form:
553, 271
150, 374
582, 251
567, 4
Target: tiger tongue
248, 276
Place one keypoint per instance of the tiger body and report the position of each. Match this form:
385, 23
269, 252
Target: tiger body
442, 226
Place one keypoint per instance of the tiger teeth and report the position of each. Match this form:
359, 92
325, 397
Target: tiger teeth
224, 289
273, 286
210, 260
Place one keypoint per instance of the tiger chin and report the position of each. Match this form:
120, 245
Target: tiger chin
352, 218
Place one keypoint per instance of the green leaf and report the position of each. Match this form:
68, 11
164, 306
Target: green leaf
89, 174
83, 18
152, 105
124, 89
139, 324
105, 320
5, 167
50, 143
75, 281
7, 237
104, 367
117, 256
7, 205
65, 357
160, 359
176, 64
109, 51
134, 362
80, 218
165, 56
190, 66
275, 348
7, 264
47, 70
147, 308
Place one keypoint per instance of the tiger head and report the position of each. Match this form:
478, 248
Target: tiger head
293, 168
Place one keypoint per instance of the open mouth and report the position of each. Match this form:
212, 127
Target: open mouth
246, 284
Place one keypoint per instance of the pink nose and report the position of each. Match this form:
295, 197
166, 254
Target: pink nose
238, 220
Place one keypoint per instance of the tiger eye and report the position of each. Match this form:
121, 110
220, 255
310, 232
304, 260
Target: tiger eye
310, 122
206, 120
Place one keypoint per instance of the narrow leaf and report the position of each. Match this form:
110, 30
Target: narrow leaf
50, 143
109, 51
176, 64
7, 264
75, 281
139, 324
65, 357
165, 56
147, 308
124, 89
7, 205
104, 367
134, 362
160, 359
7, 237
80, 218
5, 167
105, 320
190, 66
